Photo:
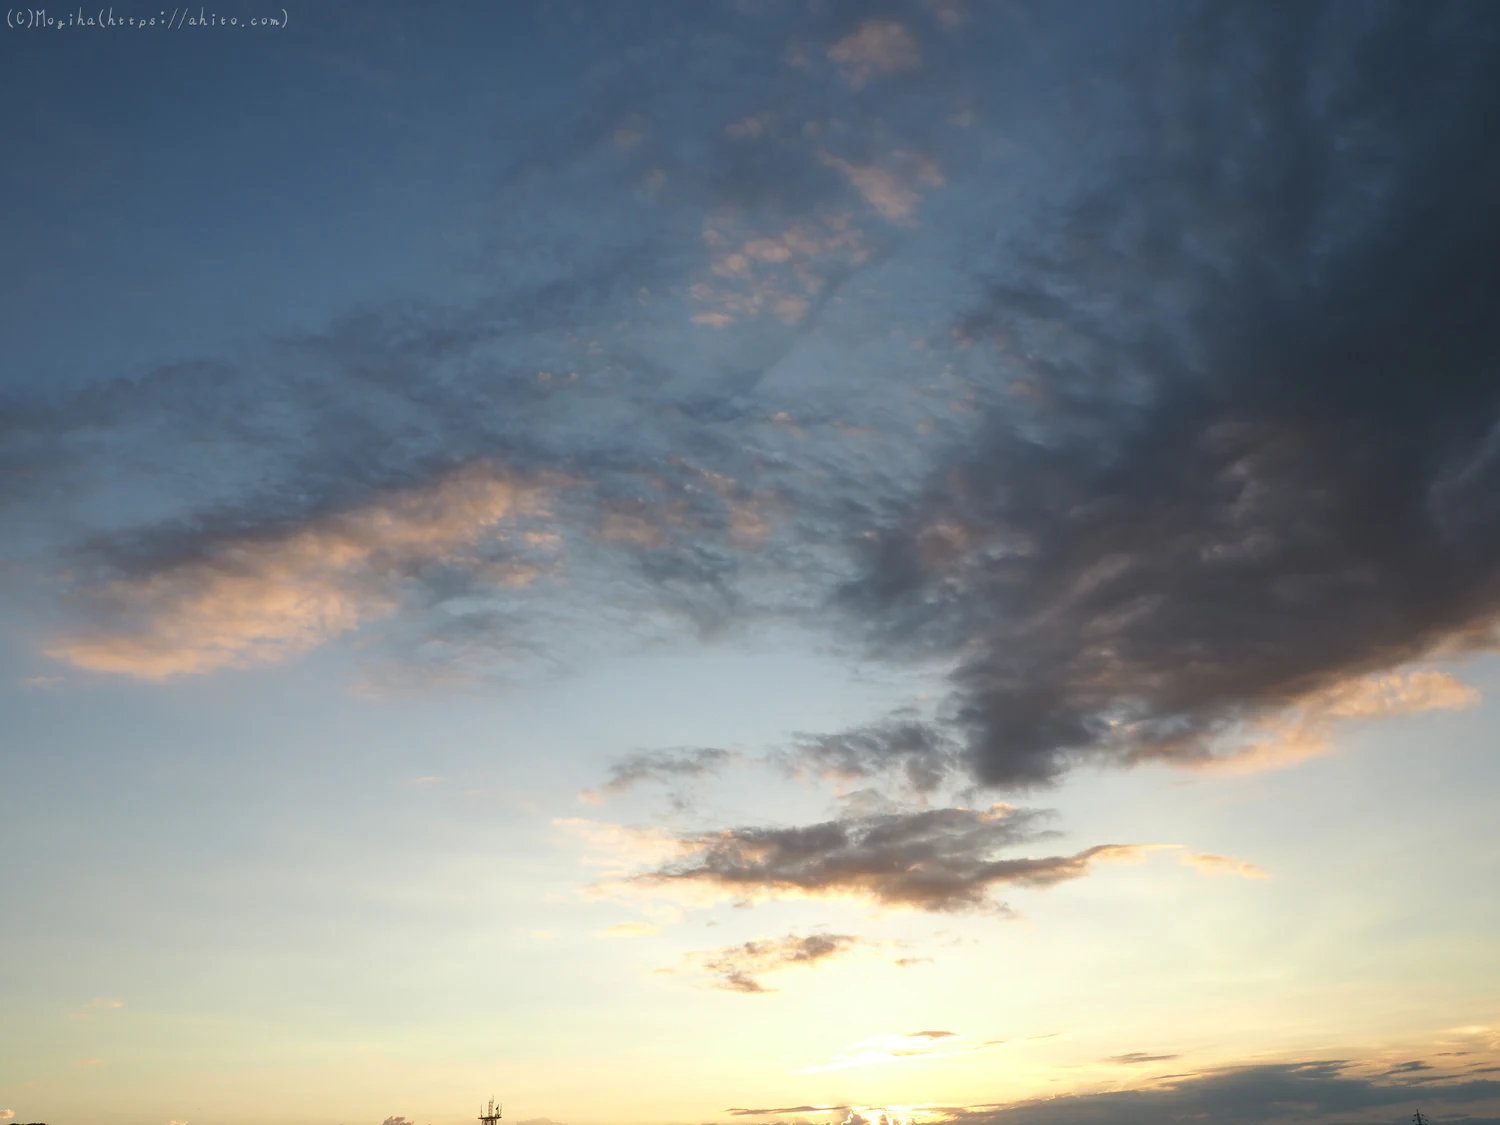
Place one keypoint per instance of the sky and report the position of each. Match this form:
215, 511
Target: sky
750, 562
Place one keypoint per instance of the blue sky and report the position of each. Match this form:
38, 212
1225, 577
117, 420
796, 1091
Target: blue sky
751, 561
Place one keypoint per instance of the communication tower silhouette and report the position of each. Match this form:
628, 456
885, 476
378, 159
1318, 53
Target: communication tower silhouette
1419, 1119
490, 1114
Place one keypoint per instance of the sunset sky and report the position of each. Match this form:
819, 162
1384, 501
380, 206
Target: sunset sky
750, 562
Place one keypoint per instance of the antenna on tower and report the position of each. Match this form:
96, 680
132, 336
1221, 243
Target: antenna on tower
490, 1114
1418, 1119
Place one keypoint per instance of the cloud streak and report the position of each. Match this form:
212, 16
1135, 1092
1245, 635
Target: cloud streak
940, 860
260, 599
659, 767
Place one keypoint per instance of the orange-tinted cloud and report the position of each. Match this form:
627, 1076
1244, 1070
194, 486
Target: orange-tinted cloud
1305, 729
879, 47
266, 598
1210, 864
893, 195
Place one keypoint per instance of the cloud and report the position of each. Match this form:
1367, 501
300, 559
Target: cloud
1211, 864
935, 859
7, 1114
394, 1120
880, 47
659, 766
1257, 456
94, 1006
1135, 1058
1202, 436
923, 754
1317, 1093
738, 968
615, 848
893, 195
786, 273
1304, 730
269, 597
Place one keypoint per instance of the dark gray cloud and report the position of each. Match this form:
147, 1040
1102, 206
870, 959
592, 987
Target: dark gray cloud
738, 968
1250, 447
1312, 1092
933, 859
922, 754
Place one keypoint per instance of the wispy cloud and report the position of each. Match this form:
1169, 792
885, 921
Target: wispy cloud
877, 49
1136, 1058
1305, 729
738, 968
892, 193
95, 1006
1210, 864
659, 766
934, 859
265, 598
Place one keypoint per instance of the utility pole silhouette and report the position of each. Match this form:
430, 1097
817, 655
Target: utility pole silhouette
1418, 1119
490, 1114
